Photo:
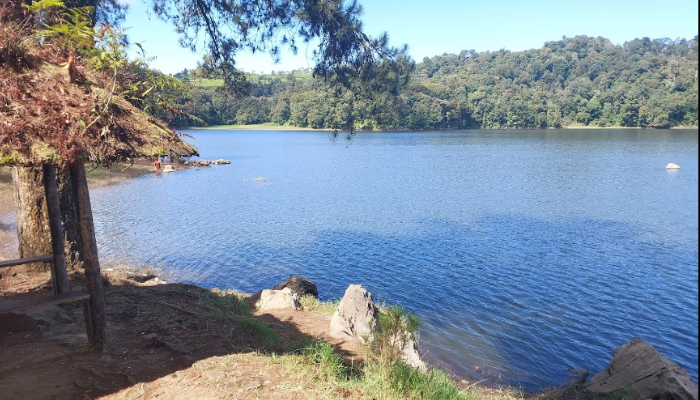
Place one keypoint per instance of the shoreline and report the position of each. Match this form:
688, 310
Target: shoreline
212, 340
253, 127
269, 127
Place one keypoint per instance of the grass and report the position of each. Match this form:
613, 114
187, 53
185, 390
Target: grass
314, 305
328, 363
384, 376
401, 382
227, 301
228, 306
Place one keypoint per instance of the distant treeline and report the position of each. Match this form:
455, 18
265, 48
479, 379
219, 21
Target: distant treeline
574, 81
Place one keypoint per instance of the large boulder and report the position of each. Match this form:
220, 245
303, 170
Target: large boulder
299, 285
356, 316
639, 371
275, 299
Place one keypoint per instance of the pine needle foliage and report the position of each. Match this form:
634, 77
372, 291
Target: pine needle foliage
66, 91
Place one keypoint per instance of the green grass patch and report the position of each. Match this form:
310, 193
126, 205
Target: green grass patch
328, 364
314, 305
259, 331
404, 382
434, 385
228, 307
226, 302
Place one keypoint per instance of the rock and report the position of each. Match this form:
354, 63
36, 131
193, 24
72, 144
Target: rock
203, 162
221, 161
639, 371
299, 285
409, 355
275, 300
673, 166
356, 316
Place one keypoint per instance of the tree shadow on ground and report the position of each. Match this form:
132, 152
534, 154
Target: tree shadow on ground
153, 332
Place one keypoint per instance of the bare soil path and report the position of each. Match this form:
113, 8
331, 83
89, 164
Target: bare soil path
165, 341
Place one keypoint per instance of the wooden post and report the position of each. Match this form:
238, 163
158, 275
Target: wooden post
69, 217
59, 271
91, 262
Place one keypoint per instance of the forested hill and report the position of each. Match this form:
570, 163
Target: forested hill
574, 81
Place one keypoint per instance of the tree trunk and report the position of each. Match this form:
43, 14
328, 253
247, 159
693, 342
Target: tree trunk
59, 272
69, 216
91, 262
32, 216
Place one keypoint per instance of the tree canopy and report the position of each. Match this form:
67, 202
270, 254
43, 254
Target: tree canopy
579, 81
68, 93
225, 27
99, 107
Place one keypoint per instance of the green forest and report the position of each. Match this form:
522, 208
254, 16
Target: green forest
579, 81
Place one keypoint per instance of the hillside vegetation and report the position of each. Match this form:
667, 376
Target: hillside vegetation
579, 81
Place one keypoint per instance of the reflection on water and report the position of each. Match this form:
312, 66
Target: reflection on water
524, 252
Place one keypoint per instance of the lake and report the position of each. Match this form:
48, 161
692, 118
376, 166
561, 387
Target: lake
523, 252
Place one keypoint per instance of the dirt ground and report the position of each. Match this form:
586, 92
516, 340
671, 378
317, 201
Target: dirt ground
164, 341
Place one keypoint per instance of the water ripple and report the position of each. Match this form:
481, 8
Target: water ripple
517, 269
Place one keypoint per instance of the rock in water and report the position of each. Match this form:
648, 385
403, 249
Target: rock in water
299, 285
673, 166
356, 316
275, 299
639, 371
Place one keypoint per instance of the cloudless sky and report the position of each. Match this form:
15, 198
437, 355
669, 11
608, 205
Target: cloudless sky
435, 27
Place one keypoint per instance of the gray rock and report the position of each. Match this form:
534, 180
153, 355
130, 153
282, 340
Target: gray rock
356, 316
409, 354
276, 299
203, 162
221, 161
639, 371
299, 285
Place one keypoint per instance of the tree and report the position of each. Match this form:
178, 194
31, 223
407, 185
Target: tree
223, 28
345, 54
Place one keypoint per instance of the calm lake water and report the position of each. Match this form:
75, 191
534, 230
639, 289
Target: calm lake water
524, 252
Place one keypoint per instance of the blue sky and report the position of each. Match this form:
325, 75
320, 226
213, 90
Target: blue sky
436, 27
